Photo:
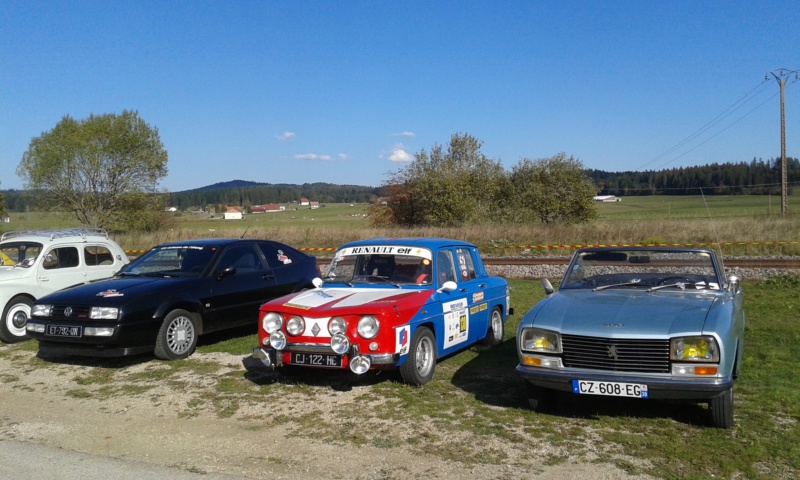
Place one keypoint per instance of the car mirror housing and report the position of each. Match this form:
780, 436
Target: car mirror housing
226, 272
548, 287
448, 286
733, 284
317, 282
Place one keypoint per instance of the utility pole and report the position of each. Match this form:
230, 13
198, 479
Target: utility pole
781, 75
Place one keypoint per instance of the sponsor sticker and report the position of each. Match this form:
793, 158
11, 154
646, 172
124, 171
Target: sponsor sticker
283, 258
477, 297
402, 337
110, 293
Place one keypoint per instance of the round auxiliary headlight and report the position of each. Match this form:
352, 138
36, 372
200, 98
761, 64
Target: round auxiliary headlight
359, 365
271, 322
278, 340
340, 344
295, 325
337, 325
368, 326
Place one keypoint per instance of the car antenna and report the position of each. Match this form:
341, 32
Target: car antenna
245, 231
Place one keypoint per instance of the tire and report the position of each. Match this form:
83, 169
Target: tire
494, 336
421, 362
721, 408
15, 317
177, 337
539, 398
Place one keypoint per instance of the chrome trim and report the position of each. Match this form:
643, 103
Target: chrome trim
384, 358
309, 348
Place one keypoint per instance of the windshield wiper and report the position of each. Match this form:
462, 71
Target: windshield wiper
383, 279
681, 285
635, 281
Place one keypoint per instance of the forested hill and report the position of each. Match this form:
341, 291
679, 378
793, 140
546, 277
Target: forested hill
244, 193
757, 177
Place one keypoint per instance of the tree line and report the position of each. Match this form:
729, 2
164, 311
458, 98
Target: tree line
757, 177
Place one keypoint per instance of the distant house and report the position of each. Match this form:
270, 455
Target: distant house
274, 207
607, 198
171, 209
304, 201
5, 219
258, 209
314, 205
233, 213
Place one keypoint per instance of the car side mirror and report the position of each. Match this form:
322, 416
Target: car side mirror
448, 286
317, 282
733, 284
226, 272
548, 287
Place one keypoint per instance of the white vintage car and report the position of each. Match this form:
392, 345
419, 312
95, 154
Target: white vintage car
34, 263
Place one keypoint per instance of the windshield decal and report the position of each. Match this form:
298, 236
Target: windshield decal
384, 250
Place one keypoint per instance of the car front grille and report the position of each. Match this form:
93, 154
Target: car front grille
75, 312
615, 354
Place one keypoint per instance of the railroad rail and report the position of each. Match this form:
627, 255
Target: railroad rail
777, 263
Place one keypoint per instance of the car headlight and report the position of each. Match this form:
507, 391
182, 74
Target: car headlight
337, 325
41, 310
104, 313
340, 344
368, 327
295, 325
694, 349
538, 340
271, 322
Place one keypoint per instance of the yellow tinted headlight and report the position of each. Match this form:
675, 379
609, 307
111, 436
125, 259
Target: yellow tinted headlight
694, 349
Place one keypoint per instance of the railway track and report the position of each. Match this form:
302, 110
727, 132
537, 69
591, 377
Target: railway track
777, 263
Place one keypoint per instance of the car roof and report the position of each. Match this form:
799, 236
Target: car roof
655, 248
426, 242
215, 242
64, 235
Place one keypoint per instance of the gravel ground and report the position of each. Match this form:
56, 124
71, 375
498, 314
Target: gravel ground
86, 436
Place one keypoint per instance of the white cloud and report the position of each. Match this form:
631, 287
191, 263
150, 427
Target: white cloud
399, 154
286, 136
405, 134
312, 156
342, 156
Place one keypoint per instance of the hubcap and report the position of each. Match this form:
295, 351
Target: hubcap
19, 319
180, 335
497, 326
424, 357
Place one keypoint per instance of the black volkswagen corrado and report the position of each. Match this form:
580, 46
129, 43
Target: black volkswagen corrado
163, 300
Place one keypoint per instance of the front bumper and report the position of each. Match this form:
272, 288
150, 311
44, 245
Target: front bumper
272, 358
666, 387
129, 338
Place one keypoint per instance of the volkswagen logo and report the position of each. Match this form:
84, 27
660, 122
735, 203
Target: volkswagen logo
68, 311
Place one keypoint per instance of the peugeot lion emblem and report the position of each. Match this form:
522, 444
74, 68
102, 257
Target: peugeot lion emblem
612, 351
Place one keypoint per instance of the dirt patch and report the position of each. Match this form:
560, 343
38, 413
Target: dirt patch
148, 411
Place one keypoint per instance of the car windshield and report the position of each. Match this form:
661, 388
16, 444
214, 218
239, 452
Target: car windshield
652, 270
183, 261
22, 254
393, 265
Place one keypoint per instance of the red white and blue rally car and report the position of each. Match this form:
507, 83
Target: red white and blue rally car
387, 303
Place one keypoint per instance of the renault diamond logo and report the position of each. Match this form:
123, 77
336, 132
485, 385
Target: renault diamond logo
68, 311
612, 351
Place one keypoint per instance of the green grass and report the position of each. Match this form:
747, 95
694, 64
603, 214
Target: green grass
475, 394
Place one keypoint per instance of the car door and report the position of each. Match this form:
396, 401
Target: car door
282, 267
58, 268
100, 262
456, 325
475, 287
236, 296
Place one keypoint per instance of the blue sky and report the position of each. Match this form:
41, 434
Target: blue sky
344, 92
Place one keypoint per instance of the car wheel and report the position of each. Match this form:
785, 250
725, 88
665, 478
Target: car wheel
177, 336
722, 409
494, 336
539, 398
15, 317
421, 362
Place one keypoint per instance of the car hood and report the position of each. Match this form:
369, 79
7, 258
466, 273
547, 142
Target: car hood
114, 290
620, 313
321, 302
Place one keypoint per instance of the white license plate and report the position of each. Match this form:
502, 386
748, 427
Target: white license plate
612, 389
317, 359
64, 331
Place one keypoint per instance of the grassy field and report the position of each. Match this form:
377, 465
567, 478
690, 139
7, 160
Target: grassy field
475, 399
655, 219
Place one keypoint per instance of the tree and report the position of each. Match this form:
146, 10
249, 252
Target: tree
445, 188
2, 204
103, 169
552, 190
